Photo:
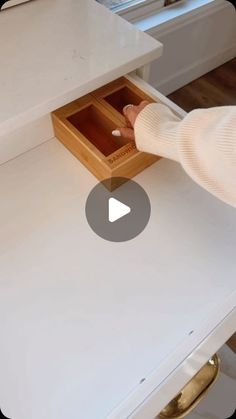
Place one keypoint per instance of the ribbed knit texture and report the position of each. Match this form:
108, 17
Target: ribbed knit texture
204, 142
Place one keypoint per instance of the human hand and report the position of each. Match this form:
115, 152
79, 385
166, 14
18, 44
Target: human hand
130, 112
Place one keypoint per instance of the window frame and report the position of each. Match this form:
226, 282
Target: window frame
141, 9
134, 4
138, 8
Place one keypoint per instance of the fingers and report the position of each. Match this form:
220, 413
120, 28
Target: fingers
131, 112
127, 133
128, 123
124, 132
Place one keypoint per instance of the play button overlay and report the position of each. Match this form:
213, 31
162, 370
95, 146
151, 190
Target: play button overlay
120, 215
117, 210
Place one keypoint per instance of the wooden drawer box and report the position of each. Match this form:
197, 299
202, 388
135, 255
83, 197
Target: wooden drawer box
85, 127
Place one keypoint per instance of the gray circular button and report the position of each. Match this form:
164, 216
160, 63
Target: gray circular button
119, 215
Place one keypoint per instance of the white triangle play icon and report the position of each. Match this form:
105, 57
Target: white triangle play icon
117, 210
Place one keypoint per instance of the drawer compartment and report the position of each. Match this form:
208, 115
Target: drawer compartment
97, 128
114, 96
85, 127
121, 98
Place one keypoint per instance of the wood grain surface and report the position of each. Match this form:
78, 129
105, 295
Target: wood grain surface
217, 88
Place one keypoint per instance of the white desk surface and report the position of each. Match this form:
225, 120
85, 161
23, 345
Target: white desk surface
83, 320
54, 51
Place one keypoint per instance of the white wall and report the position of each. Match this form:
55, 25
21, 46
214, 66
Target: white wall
193, 45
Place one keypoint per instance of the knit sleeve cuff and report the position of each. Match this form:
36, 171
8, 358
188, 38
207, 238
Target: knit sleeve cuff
156, 131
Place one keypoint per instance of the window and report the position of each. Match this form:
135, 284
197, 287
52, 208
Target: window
121, 5
117, 5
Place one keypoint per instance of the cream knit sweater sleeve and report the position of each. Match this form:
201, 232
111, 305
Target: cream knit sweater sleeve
204, 142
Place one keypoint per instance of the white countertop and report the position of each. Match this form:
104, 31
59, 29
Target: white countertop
54, 51
83, 320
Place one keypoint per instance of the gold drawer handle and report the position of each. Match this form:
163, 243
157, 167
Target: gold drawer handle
193, 392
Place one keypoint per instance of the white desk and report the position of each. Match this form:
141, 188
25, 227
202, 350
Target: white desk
54, 51
83, 320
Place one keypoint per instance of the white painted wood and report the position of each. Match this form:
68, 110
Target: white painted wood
144, 72
83, 321
158, 20
141, 9
160, 395
192, 72
69, 49
220, 402
196, 40
25, 138
228, 362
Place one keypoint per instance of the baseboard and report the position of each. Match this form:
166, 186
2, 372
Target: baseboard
194, 44
197, 69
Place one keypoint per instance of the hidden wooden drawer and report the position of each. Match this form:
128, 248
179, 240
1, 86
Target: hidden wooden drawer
85, 127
